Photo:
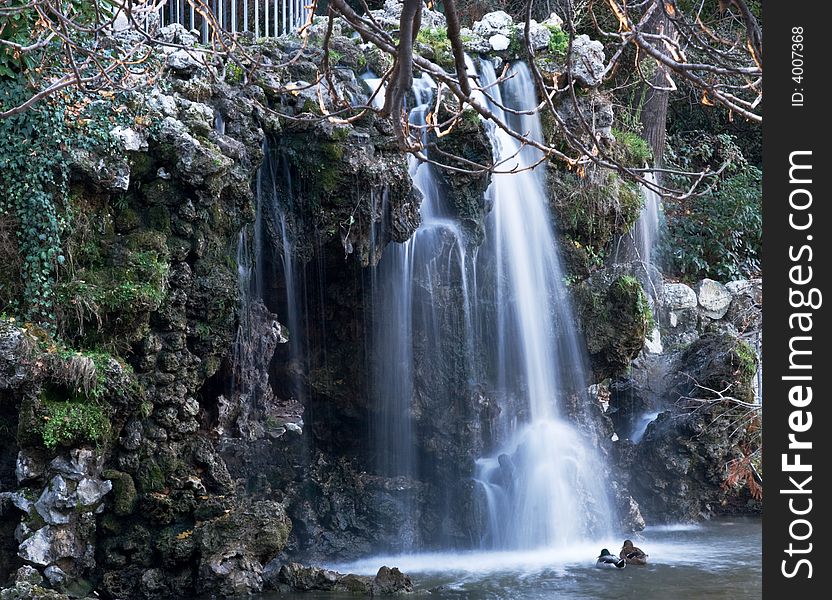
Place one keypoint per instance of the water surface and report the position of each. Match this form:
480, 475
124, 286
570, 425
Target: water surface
719, 559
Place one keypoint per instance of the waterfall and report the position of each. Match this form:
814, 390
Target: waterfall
274, 256
507, 305
544, 487
413, 320
640, 427
648, 222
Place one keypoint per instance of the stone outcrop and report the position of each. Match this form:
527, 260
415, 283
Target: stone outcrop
293, 577
697, 456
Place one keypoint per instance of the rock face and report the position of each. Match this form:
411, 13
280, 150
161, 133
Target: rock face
696, 458
615, 317
678, 472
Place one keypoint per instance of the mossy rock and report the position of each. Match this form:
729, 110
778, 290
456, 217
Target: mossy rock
150, 477
717, 362
591, 212
615, 317
125, 496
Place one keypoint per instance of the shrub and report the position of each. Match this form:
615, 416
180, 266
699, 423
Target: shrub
718, 235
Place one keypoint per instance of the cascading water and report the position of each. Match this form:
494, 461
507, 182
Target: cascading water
545, 486
410, 326
646, 228
272, 215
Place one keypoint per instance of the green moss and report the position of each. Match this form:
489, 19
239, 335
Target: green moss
629, 287
127, 219
124, 492
138, 285
150, 477
615, 318
634, 150
747, 359
158, 218
558, 40
437, 39
471, 117
67, 423
591, 212
234, 73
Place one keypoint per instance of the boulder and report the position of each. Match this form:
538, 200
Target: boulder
391, 581
539, 35
588, 60
499, 42
678, 296
713, 297
50, 544
497, 22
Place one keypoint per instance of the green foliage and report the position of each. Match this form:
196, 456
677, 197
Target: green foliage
24, 26
634, 149
34, 174
437, 39
67, 423
558, 40
717, 234
334, 57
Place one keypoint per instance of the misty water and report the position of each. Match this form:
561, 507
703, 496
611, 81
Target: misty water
717, 559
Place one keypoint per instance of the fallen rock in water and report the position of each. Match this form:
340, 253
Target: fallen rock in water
391, 581
296, 577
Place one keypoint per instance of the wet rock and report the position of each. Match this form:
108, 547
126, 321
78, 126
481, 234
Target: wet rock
14, 350
91, 490
391, 581
235, 546
232, 573
55, 575
678, 470
50, 544
81, 462
28, 585
56, 502
713, 297
30, 465
299, 578
614, 314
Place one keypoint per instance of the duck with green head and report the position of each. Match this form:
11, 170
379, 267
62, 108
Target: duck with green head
609, 561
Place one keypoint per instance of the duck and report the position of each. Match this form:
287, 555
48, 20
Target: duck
633, 555
609, 561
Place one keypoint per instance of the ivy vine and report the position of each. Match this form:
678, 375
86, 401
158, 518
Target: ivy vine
34, 174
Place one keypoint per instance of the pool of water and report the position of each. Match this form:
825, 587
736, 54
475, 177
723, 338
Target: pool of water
718, 559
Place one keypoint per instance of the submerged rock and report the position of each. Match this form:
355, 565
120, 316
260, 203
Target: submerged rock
296, 577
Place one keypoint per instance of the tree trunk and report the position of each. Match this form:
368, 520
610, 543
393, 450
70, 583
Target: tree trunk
654, 109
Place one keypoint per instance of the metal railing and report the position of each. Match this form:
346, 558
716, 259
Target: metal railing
264, 18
